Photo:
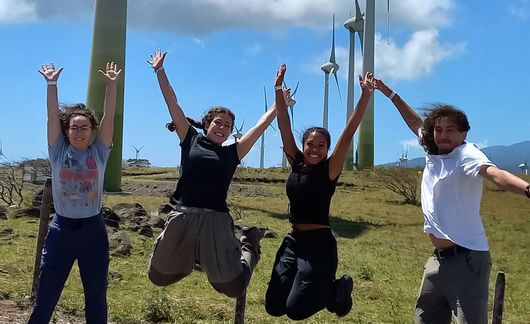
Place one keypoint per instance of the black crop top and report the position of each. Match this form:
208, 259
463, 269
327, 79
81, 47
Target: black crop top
310, 190
206, 170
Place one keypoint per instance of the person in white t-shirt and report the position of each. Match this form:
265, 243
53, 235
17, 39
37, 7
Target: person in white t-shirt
455, 280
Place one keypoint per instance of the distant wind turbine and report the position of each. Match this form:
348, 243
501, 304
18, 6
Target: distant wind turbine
137, 150
329, 67
238, 134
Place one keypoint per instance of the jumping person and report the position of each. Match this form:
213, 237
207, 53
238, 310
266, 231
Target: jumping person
201, 228
456, 276
303, 276
78, 152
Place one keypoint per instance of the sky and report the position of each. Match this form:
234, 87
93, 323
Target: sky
472, 54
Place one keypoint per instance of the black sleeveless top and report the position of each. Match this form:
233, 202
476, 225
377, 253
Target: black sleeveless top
309, 190
206, 170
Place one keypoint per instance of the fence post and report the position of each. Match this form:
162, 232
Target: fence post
44, 219
240, 308
498, 299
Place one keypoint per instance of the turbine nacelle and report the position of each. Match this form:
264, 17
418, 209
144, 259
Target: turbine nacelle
355, 24
330, 67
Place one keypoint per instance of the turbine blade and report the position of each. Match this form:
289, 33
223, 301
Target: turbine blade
361, 39
295, 88
357, 10
337, 81
332, 56
265, 95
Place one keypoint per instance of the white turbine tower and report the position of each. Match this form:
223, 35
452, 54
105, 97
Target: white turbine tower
353, 25
2, 156
137, 151
262, 152
329, 67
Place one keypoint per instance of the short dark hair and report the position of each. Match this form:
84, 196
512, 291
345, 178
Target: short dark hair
432, 115
67, 112
324, 132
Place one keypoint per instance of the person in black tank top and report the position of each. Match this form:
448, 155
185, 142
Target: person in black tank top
303, 276
200, 230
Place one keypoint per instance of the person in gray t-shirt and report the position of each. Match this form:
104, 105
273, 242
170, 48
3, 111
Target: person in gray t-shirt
78, 151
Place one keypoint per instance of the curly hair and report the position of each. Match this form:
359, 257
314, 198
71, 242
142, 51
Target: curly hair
67, 112
207, 118
432, 115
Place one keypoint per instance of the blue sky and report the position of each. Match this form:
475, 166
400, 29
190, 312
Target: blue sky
472, 54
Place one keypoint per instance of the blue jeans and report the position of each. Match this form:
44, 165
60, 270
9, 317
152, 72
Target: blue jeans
68, 239
303, 275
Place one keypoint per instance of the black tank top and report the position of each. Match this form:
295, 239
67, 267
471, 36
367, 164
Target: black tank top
309, 190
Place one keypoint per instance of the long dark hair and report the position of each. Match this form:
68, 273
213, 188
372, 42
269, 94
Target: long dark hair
432, 114
67, 112
207, 118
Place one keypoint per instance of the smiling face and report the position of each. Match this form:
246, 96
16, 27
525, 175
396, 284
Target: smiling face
315, 148
219, 128
80, 132
447, 135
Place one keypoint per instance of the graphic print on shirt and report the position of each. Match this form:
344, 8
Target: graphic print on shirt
79, 180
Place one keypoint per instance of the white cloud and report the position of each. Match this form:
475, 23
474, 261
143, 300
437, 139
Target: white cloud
206, 16
17, 11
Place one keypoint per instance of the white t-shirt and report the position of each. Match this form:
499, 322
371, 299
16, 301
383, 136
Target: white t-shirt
451, 190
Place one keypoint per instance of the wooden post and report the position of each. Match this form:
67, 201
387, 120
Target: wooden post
498, 299
240, 308
44, 219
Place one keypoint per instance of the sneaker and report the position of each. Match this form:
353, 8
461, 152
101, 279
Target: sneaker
253, 234
343, 299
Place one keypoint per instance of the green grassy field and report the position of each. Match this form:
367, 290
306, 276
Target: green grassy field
380, 240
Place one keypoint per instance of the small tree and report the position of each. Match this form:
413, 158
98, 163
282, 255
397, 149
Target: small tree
137, 163
11, 182
401, 181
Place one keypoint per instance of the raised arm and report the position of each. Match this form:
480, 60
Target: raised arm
106, 126
337, 158
175, 111
411, 118
284, 123
504, 179
249, 139
54, 124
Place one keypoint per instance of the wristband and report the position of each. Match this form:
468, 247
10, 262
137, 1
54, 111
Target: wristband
392, 95
527, 191
159, 69
278, 87
51, 82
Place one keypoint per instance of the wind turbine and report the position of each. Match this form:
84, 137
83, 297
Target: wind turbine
353, 25
329, 67
404, 157
290, 101
2, 153
137, 150
524, 167
238, 134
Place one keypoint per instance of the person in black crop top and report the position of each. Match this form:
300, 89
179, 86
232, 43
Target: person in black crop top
303, 276
200, 230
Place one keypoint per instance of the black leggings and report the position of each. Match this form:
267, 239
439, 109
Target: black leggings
302, 278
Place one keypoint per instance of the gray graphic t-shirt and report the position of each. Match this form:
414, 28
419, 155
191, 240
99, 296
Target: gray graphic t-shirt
77, 178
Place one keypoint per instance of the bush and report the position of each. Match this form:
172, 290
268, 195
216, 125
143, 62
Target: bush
402, 181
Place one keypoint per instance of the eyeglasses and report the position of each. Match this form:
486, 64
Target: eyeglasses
84, 128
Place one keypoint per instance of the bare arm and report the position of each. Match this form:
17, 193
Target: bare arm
54, 124
106, 126
175, 111
503, 179
411, 118
284, 123
337, 158
249, 139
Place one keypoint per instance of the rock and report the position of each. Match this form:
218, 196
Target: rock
120, 244
157, 222
165, 209
110, 217
3, 212
27, 212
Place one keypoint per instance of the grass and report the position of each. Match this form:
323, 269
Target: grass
380, 241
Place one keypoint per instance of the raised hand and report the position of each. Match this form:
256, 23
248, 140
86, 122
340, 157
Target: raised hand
49, 73
280, 74
111, 71
157, 60
381, 86
368, 83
